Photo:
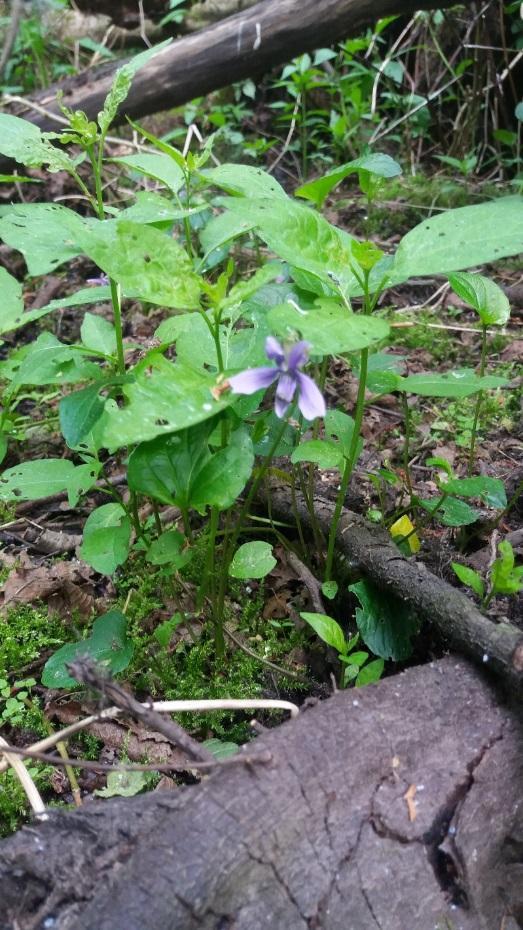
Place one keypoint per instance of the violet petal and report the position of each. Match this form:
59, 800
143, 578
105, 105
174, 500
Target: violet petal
280, 407
298, 355
310, 399
286, 387
274, 350
252, 380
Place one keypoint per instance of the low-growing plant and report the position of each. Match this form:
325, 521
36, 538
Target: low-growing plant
504, 576
197, 431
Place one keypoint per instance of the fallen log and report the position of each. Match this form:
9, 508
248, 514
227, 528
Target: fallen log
395, 806
249, 43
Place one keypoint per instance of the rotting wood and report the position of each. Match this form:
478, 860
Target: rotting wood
241, 46
451, 614
321, 836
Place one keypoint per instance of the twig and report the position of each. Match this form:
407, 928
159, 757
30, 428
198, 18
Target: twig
250, 652
86, 672
311, 583
11, 754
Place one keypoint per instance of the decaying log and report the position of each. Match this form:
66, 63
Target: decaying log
451, 614
247, 44
395, 806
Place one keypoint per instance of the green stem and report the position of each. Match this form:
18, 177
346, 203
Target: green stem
406, 444
479, 401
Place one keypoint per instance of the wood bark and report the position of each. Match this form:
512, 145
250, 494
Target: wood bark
247, 44
394, 807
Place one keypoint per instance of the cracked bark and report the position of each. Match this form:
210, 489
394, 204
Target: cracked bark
319, 838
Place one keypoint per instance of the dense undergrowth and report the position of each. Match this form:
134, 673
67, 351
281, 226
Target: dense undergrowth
166, 289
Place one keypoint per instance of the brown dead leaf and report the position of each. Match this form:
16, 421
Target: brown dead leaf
409, 796
65, 582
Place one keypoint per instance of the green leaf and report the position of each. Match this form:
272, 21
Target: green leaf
329, 589
168, 550
164, 398
165, 467
123, 785
222, 229
108, 645
148, 264
220, 749
386, 624
49, 361
23, 141
490, 490
518, 112
12, 302
158, 166
469, 577
122, 83
322, 453
152, 208
224, 475
461, 238
245, 181
252, 560
370, 673
163, 633
47, 234
461, 383
328, 327
31, 481
484, 295
505, 577
87, 295
328, 630
79, 412
98, 334
452, 512
341, 425
106, 538
376, 163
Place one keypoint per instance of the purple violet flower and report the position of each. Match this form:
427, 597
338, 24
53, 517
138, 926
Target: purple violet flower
101, 281
289, 380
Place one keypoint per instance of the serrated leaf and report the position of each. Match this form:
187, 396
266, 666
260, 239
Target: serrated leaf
106, 538
386, 624
148, 264
461, 383
484, 295
252, 560
327, 629
328, 327
321, 452
108, 645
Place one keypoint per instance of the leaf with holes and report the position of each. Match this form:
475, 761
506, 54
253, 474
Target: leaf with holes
49, 361
108, 645
319, 451
23, 141
31, 481
328, 327
47, 234
460, 383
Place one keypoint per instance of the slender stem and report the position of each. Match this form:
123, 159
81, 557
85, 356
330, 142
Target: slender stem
157, 521
208, 574
349, 462
406, 443
479, 400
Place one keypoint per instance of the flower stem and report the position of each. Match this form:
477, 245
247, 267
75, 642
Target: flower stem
479, 401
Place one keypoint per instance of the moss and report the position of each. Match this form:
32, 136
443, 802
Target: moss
14, 807
25, 633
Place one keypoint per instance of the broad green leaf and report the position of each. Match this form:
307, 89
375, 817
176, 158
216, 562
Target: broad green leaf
370, 673
23, 141
168, 550
252, 560
122, 83
220, 748
47, 234
31, 481
222, 229
164, 398
195, 346
243, 290
321, 452
108, 644
79, 412
484, 295
329, 589
225, 474
245, 181
165, 468
376, 163
328, 326
490, 490
156, 210
460, 383
461, 238
328, 630
470, 578
341, 425
106, 538
12, 302
147, 263
386, 624
98, 334
49, 361
85, 296
506, 577
123, 785
452, 511
157, 166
